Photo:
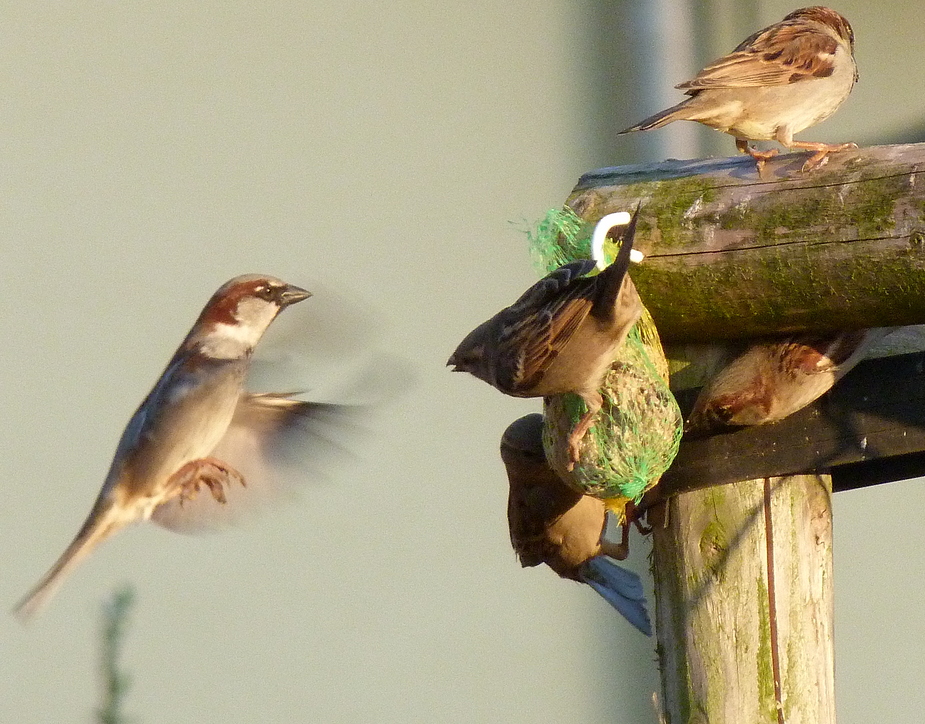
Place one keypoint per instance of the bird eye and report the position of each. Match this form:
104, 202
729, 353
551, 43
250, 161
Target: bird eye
264, 293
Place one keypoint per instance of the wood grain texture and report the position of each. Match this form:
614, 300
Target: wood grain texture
732, 255
713, 604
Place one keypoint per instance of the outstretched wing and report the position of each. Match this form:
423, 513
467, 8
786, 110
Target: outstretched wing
274, 441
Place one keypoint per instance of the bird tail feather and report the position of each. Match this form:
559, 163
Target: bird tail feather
621, 588
660, 119
99, 525
615, 281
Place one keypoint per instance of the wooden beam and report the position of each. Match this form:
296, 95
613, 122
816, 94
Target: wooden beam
732, 255
869, 429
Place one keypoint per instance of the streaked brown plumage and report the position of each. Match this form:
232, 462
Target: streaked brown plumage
560, 336
551, 523
776, 83
773, 379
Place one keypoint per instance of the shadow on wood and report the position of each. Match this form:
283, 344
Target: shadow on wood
869, 429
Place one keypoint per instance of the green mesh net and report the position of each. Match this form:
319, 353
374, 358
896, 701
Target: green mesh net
635, 435
560, 237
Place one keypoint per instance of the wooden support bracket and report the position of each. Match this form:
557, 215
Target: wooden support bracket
869, 429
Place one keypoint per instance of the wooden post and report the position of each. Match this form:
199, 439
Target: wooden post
744, 602
743, 571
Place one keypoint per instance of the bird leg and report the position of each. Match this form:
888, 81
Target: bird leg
631, 516
621, 550
760, 156
822, 150
634, 516
211, 472
594, 401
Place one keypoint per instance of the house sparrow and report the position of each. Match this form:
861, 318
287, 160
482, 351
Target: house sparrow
551, 523
177, 440
560, 336
777, 82
773, 379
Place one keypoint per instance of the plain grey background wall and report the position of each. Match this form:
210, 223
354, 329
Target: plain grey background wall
391, 154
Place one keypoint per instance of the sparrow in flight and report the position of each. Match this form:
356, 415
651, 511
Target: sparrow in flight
185, 434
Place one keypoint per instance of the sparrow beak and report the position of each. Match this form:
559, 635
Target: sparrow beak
292, 294
456, 363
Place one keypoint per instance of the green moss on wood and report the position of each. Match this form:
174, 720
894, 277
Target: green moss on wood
671, 202
714, 545
786, 288
866, 207
787, 252
765, 669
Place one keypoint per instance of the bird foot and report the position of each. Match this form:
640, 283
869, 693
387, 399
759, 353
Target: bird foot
211, 472
574, 453
579, 431
620, 550
634, 516
822, 150
761, 157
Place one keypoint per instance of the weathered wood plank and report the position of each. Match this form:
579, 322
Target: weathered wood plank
743, 592
870, 428
734, 256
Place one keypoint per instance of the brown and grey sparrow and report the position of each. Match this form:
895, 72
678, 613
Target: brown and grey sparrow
551, 523
197, 428
771, 380
559, 337
776, 83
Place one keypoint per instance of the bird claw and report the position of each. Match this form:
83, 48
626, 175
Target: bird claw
817, 160
212, 473
760, 156
821, 157
578, 433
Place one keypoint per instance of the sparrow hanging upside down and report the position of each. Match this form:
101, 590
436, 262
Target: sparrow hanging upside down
551, 523
777, 82
560, 336
198, 406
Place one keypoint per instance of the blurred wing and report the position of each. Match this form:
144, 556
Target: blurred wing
324, 340
275, 442
785, 53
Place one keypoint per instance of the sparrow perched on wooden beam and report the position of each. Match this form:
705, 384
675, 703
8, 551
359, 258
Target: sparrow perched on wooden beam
773, 379
559, 337
551, 523
776, 83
